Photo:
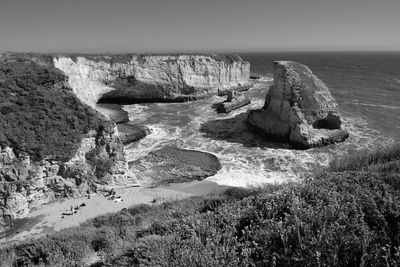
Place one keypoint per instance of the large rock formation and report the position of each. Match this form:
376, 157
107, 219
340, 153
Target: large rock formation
298, 109
25, 183
129, 133
175, 165
163, 78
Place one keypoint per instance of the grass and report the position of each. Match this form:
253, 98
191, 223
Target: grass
346, 218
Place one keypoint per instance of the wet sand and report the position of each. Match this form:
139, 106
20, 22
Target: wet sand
48, 218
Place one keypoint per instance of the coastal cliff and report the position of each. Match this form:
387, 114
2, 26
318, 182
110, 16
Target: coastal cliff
51, 144
152, 78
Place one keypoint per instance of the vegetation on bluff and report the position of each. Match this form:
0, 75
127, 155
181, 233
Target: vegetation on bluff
39, 114
346, 218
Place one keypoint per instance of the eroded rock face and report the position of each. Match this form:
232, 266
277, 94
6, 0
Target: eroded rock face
175, 165
25, 184
153, 77
298, 109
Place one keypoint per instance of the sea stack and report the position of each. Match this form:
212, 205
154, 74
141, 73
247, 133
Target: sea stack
298, 109
234, 101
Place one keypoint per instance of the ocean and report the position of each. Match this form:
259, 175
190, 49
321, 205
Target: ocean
366, 86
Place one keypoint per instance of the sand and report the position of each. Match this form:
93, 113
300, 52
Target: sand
48, 218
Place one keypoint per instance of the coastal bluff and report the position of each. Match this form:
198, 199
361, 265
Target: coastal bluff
298, 109
55, 144
151, 78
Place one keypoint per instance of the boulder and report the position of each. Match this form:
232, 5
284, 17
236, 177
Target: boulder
235, 100
254, 76
298, 109
129, 133
239, 88
173, 165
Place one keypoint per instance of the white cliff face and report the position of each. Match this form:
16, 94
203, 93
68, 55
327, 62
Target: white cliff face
88, 78
153, 77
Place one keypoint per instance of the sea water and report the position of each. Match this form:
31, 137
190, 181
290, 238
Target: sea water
365, 85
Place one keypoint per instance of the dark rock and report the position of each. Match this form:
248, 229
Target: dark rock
173, 165
129, 133
254, 77
241, 88
299, 109
235, 100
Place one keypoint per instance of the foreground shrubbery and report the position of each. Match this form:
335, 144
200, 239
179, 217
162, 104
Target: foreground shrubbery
385, 159
38, 114
336, 219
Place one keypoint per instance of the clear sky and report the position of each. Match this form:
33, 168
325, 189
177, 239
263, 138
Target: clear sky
201, 25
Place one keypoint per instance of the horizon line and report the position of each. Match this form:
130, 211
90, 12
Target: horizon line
230, 51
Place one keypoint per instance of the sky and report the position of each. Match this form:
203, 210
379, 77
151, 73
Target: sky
145, 26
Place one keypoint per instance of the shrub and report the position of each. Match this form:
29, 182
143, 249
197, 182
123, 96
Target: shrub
39, 114
332, 219
385, 159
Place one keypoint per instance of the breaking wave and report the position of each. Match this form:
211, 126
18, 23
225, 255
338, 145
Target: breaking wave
247, 160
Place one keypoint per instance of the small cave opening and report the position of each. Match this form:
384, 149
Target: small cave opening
330, 122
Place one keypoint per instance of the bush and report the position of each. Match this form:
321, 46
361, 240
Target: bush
39, 114
333, 219
385, 159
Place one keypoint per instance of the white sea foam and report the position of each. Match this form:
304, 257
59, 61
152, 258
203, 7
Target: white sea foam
266, 79
250, 178
378, 105
138, 113
159, 137
247, 160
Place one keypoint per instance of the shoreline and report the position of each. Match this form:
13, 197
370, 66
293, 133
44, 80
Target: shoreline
48, 218
114, 112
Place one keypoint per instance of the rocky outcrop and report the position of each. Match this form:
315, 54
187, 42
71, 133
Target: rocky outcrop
299, 109
174, 165
25, 184
165, 78
129, 133
235, 100
51, 144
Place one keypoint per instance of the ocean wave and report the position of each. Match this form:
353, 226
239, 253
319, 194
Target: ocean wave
266, 79
376, 105
250, 178
247, 159
138, 113
161, 135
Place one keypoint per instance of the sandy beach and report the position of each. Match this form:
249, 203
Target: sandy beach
48, 218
